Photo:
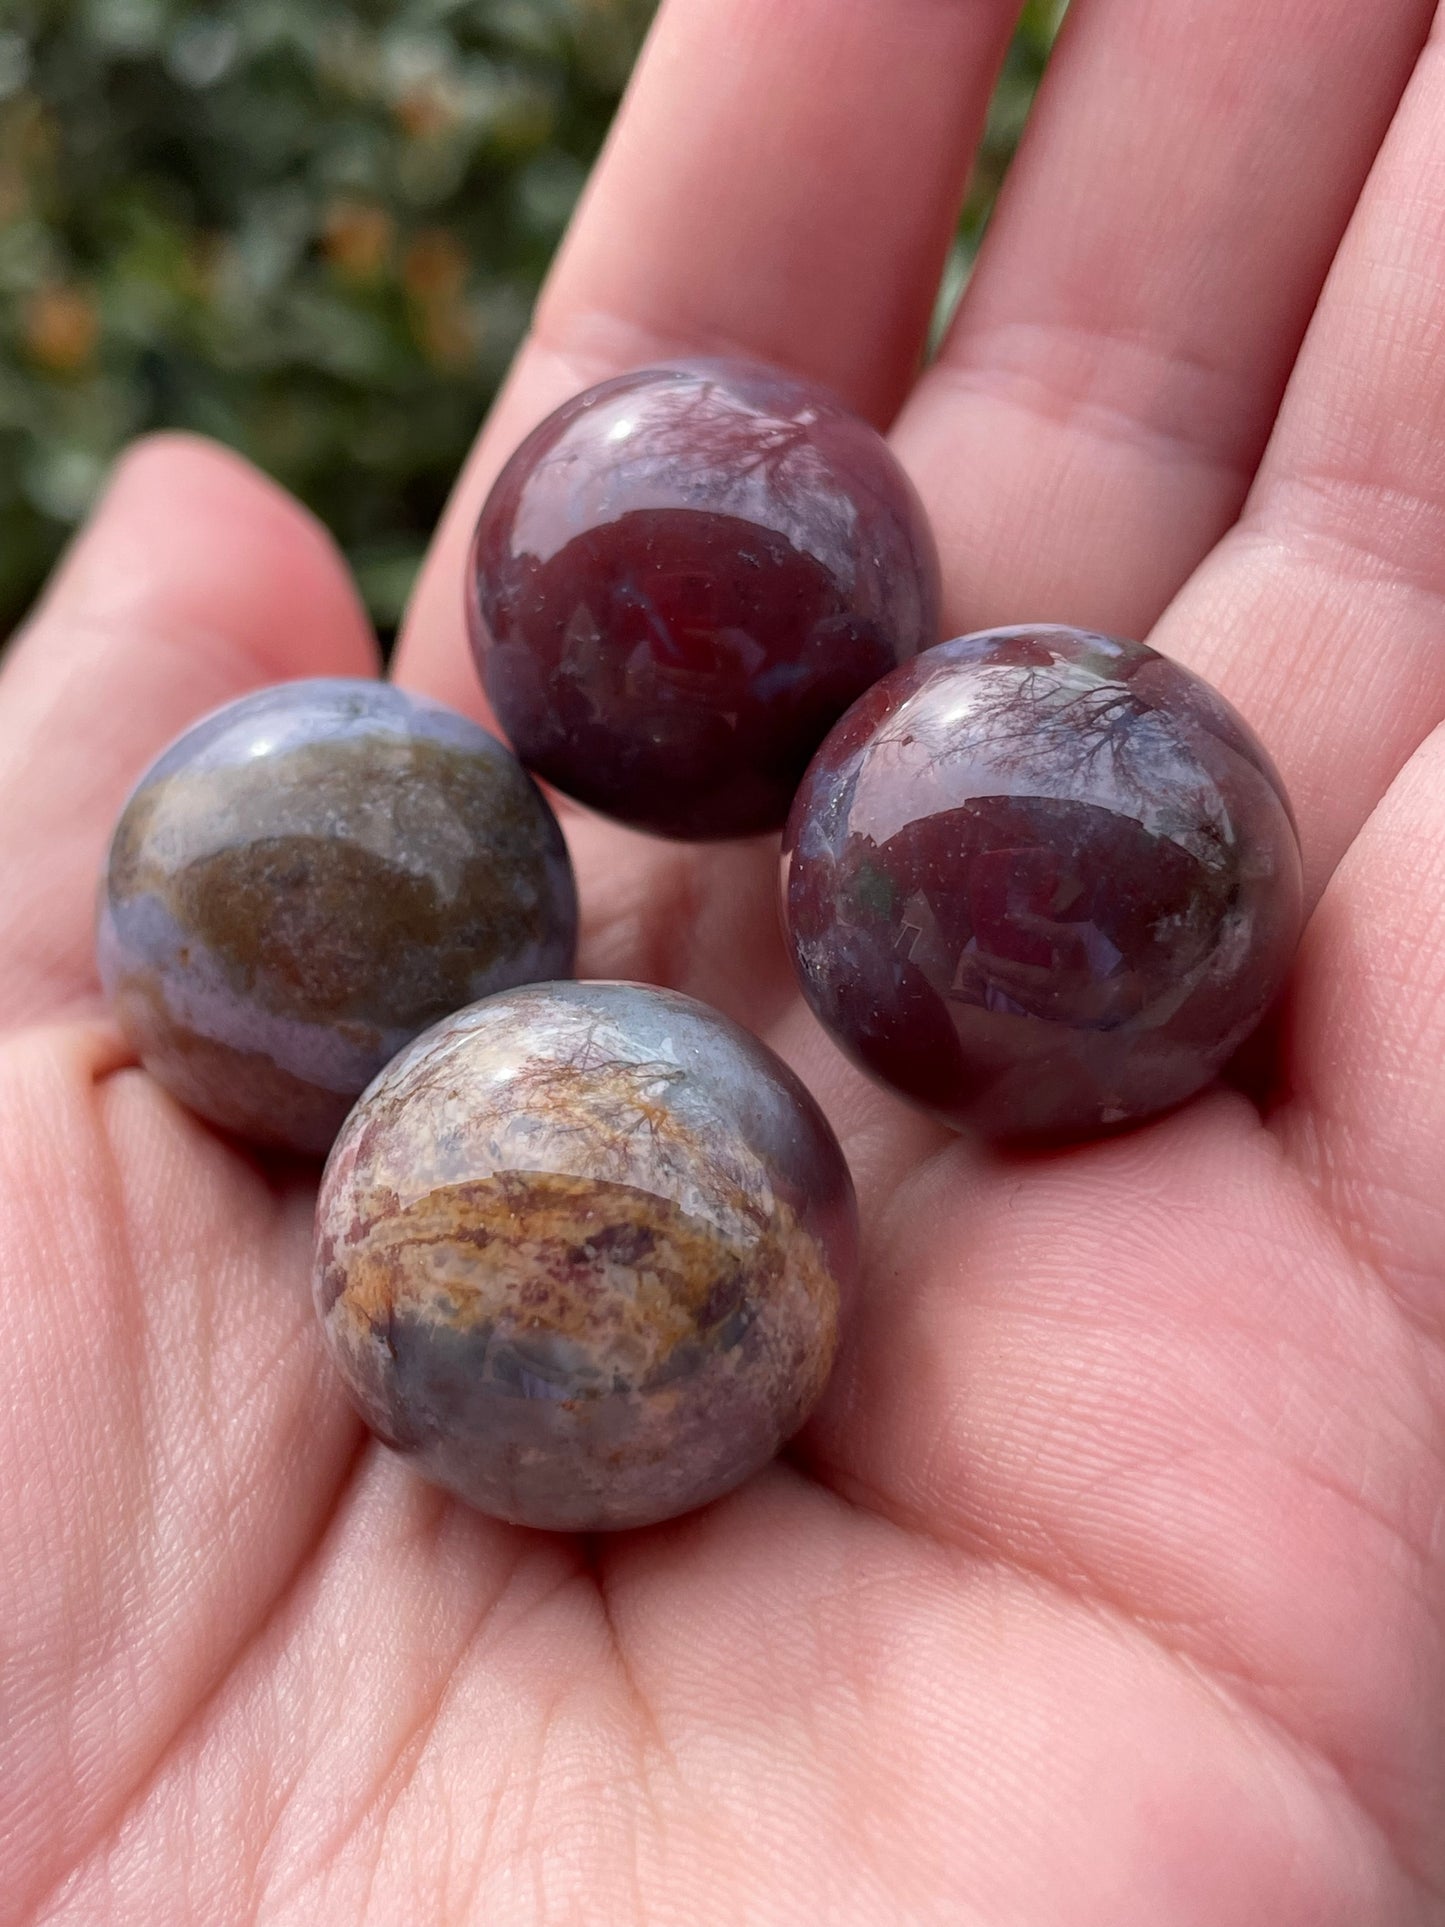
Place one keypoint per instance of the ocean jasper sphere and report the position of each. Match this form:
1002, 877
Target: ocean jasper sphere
682, 579
305, 880
1042, 881
580, 1252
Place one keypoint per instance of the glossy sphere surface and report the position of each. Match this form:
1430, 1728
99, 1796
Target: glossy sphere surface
308, 878
1041, 881
682, 579
580, 1252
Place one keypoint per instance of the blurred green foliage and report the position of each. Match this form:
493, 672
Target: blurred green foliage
313, 228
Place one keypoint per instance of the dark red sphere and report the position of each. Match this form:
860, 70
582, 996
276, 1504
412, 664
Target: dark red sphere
682, 579
1040, 881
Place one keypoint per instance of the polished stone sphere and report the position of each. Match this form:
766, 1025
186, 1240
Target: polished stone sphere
1040, 881
682, 579
580, 1252
305, 880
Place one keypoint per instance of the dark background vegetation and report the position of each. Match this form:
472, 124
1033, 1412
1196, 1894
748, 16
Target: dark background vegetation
313, 228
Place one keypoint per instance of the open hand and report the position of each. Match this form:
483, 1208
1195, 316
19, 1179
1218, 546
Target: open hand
1108, 1587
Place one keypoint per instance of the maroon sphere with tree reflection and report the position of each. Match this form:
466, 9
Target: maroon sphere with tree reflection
682, 579
1042, 881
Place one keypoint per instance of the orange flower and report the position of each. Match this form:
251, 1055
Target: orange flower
62, 327
434, 265
357, 237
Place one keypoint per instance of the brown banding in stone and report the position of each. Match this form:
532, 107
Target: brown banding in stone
316, 902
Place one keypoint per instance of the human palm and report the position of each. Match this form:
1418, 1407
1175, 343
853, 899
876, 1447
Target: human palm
1109, 1584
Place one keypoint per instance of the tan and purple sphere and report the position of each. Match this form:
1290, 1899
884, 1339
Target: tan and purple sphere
580, 1254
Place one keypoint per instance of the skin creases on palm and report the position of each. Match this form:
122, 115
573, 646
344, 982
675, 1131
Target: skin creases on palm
1106, 1587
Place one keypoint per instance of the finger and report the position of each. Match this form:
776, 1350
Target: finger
825, 148
195, 581
782, 183
1321, 615
172, 1439
1096, 414
1365, 1042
